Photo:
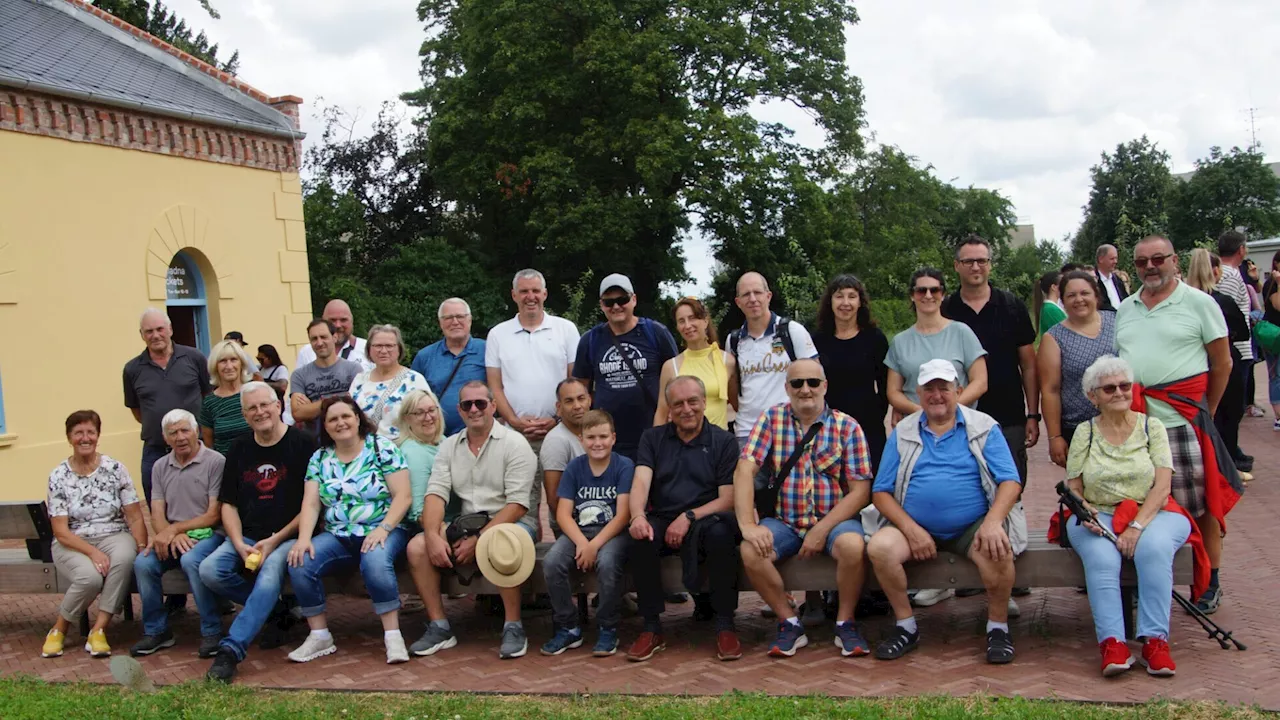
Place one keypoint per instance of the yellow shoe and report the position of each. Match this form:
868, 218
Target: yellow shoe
97, 645
52, 644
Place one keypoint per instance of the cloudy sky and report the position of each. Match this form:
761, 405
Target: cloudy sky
1013, 95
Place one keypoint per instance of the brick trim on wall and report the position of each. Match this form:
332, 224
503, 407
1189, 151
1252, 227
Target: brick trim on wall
40, 114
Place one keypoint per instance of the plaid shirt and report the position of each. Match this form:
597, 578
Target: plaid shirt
838, 452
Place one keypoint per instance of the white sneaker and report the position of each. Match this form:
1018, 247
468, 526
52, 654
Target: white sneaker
1275, 425
396, 651
1013, 609
926, 598
312, 648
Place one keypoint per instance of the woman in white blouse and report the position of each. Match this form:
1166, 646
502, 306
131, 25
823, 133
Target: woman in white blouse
380, 391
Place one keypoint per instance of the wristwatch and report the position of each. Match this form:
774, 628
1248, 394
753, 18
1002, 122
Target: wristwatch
1035, 416
1136, 525
688, 515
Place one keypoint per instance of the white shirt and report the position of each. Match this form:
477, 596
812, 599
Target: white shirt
358, 354
1109, 284
532, 363
762, 365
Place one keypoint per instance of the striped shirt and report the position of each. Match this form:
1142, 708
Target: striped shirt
1232, 285
819, 479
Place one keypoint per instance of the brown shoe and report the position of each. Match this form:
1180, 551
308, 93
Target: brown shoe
645, 646
727, 645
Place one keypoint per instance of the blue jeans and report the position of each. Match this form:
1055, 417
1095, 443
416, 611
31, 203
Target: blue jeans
1153, 559
787, 542
559, 564
221, 573
377, 567
1273, 377
147, 570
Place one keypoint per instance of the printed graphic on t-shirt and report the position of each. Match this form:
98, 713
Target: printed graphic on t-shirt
614, 371
265, 478
595, 504
774, 362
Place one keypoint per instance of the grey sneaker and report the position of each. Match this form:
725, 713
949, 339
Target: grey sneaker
433, 641
151, 643
514, 642
208, 646
312, 648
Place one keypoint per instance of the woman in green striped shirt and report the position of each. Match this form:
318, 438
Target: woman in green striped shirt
221, 419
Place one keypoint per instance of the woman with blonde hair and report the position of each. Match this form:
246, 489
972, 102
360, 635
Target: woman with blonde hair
221, 419
422, 428
703, 359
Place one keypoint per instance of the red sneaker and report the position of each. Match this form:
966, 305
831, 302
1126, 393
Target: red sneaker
1116, 657
1155, 655
645, 646
727, 645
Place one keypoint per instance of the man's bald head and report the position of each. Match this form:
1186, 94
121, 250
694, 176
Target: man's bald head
338, 313
752, 279
753, 297
806, 368
1154, 242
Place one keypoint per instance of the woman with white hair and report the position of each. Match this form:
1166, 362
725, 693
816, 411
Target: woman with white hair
1121, 464
380, 391
221, 419
421, 430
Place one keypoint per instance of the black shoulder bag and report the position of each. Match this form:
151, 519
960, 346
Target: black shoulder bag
767, 485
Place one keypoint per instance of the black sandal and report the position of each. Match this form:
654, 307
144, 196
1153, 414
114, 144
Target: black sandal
899, 643
999, 647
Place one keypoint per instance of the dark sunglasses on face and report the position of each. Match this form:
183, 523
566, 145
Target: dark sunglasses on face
1111, 388
798, 383
1155, 260
480, 405
922, 291
615, 301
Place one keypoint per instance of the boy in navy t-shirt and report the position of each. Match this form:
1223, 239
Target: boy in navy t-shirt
593, 513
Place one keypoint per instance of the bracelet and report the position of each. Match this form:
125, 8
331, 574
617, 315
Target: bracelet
635, 518
1054, 437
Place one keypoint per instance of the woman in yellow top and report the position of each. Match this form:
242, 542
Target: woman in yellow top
702, 359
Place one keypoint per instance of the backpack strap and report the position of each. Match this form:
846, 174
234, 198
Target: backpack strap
734, 337
782, 331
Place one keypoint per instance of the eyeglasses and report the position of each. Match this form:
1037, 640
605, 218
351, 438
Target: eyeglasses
922, 291
798, 383
423, 412
1154, 260
1111, 388
971, 262
381, 346
456, 317
615, 301
480, 405
255, 409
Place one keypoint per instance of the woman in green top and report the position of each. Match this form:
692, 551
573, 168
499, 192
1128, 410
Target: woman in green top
221, 418
423, 429
1048, 311
1121, 456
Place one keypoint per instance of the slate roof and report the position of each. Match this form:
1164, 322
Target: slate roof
58, 48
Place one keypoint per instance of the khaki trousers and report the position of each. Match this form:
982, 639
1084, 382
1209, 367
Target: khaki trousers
87, 583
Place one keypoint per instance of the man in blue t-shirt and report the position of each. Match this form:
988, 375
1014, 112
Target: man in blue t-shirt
451, 362
622, 360
947, 481
593, 514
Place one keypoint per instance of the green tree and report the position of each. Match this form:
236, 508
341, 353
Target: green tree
1231, 189
154, 18
1128, 201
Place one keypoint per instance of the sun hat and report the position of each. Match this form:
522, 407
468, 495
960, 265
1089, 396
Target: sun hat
506, 555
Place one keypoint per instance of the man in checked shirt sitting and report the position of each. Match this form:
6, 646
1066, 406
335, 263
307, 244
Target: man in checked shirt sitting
817, 503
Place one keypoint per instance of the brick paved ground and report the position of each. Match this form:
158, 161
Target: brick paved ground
1057, 656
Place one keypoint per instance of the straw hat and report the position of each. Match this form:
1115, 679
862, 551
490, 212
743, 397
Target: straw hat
506, 555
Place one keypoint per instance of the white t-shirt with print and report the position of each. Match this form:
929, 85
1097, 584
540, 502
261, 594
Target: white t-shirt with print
762, 365
532, 362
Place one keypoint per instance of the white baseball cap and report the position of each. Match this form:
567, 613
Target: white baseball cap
937, 370
616, 280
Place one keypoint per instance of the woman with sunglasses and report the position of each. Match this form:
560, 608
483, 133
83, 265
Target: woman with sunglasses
852, 351
933, 336
1120, 463
379, 392
361, 482
703, 359
1066, 351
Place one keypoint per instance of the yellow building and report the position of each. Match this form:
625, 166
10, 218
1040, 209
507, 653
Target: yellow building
131, 175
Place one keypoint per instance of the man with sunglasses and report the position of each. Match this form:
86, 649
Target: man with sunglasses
1175, 339
622, 360
489, 468
817, 505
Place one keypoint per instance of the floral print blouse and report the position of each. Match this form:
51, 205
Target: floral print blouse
93, 504
381, 400
355, 495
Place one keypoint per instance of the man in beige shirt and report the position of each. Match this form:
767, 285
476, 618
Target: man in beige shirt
489, 468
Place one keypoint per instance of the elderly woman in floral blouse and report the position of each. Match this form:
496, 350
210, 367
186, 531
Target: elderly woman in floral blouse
97, 530
361, 481
380, 391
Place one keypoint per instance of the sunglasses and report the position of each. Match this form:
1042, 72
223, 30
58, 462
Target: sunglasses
466, 405
615, 301
1154, 260
801, 382
922, 291
1111, 389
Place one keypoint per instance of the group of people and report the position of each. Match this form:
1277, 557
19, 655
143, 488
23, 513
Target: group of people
735, 456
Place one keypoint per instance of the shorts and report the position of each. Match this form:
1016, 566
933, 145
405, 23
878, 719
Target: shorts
787, 541
960, 544
1188, 469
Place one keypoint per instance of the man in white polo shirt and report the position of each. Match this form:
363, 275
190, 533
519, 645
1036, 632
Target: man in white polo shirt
525, 358
350, 347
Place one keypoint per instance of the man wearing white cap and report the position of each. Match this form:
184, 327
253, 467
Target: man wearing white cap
622, 359
957, 492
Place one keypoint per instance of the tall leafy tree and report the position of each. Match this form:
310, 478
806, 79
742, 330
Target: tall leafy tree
1128, 201
1231, 189
164, 24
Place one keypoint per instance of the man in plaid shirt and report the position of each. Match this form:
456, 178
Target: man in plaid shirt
817, 506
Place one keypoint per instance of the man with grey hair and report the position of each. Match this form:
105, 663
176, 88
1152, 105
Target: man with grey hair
1113, 290
183, 517
453, 361
350, 347
163, 377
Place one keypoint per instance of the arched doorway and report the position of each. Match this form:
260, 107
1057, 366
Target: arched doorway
186, 303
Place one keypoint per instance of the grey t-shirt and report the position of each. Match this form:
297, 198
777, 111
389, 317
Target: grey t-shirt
559, 447
186, 490
910, 349
318, 383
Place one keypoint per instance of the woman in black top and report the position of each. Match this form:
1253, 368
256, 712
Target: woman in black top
852, 351
1271, 313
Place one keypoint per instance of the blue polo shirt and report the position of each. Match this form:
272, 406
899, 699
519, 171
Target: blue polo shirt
435, 363
945, 496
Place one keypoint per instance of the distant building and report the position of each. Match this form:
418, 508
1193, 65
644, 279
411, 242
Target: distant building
1021, 235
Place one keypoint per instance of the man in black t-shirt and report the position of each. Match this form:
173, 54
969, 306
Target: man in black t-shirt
682, 502
261, 496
